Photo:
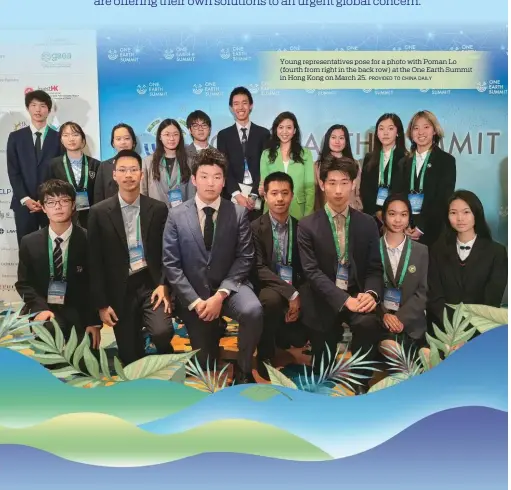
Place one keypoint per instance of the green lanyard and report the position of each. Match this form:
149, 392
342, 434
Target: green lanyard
405, 264
164, 164
382, 168
138, 230
85, 169
52, 267
342, 260
276, 243
44, 134
423, 172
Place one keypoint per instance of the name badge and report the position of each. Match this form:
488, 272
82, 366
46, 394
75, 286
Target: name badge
341, 280
383, 193
392, 299
137, 260
82, 201
285, 273
347, 335
175, 197
416, 201
56, 292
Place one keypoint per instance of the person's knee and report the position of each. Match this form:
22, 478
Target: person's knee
252, 314
271, 300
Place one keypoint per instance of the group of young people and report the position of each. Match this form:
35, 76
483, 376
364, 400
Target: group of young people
295, 250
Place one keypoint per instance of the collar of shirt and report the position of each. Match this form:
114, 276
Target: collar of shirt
124, 204
201, 205
468, 244
399, 248
65, 236
277, 224
199, 148
334, 213
422, 156
35, 130
239, 126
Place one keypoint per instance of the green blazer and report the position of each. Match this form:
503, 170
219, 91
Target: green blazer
303, 181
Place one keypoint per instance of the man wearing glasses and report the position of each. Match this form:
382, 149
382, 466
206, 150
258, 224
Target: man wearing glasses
125, 254
199, 125
53, 275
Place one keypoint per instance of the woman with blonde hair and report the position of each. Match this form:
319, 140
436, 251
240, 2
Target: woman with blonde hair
428, 176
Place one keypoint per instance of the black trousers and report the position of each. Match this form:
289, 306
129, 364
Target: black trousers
276, 332
27, 222
137, 313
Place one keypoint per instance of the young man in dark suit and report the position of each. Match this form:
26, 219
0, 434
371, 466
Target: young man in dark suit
340, 256
242, 144
53, 274
125, 256
208, 254
29, 151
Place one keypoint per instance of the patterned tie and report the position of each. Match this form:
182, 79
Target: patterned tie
244, 140
38, 145
339, 225
209, 227
57, 259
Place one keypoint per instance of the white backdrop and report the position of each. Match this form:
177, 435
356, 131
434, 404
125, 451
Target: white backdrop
64, 64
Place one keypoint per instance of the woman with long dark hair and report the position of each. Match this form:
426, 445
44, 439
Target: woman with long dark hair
466, 265
286, 154
336, 142
380, 166
167, 171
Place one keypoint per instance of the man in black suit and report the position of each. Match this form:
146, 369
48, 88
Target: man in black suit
339, 252
29, 151
242, 144
125, 256
278, 272
53, 275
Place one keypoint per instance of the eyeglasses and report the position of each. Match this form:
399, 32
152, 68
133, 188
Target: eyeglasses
62, 202
132, 170
200, 126
71, 135
168, 135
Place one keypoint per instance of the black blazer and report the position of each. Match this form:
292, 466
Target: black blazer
108, 248
319, 263
439, 184
265, 273
105, 185
229, 143
56, 170
482, 280
34, 275
370, 177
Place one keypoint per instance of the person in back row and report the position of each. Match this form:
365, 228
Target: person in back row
125, 259
199, 125
207, 256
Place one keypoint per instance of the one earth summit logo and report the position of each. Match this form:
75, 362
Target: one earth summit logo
482, 86
141, 89
168, 54
113, 54
197, 88
225, 53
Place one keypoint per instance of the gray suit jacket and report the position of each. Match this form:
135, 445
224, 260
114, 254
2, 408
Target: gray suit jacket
192, 271
159, 189
414, 289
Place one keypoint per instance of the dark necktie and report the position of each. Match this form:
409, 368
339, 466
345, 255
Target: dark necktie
209, 228
38, 146
57, 259
462, 247
244, 140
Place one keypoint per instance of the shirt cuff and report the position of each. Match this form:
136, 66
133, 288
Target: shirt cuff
419, 230
24, 200
295, 295
194, 304
226, 291
377, 297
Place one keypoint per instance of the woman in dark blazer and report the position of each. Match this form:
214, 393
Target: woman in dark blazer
122, 138
76, 168
405, 265
428, 176
380, 166
466, 265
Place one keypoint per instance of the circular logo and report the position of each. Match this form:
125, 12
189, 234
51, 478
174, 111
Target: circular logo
168, 54
46, 56
28, 90
412, 269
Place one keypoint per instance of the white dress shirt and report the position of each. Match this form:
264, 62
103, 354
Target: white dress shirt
386, 157
419, 160
286, 165
34, 137
130, 214
65, 239
394, 254
463, 254
199, 148
240, 132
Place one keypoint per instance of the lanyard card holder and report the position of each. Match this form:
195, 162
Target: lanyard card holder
82, 201
137, 261
341, 279
416, 201
285, 273
56, 292
175, 197
383, 193
392, 299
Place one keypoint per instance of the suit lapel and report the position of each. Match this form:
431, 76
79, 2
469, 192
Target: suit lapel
267, 235
45, 262
146, 216
401, 263
353, 272
224, 218
193, 223
329, 245
29, 145
47, 143
115, 214
453, 260
388, 265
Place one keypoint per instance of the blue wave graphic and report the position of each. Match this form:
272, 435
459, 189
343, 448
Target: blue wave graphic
463, 448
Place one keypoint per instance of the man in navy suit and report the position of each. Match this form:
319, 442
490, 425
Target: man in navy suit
29, 151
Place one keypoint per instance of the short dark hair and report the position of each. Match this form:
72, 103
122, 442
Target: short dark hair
209, 156
240, 91
278, 177
40, 96
397, 197
130, 130
128, 154
195, 116
342, 164
54, 188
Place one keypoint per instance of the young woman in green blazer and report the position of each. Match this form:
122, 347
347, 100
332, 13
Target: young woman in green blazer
285, 154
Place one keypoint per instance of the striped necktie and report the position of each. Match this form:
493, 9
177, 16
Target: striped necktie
57, 259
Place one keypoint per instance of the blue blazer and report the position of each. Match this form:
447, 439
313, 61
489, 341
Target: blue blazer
25, 172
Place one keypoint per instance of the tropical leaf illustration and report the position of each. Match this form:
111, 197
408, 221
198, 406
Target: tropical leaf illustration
387, 382
208, 381
261, 393
15, 330
279, 379
484, 317
400, 362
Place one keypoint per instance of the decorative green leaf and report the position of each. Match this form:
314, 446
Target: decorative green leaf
208, 381
486, 318
438, 345
180, 375
65, 372
105, 369
387, 383
71, 345
279, 379
41, 346
59, 336
48, 359
81, 382
424, 360
154, 367
44, 335
260, 393
442, 336
91, 363
119, 369
434, 356
79, 352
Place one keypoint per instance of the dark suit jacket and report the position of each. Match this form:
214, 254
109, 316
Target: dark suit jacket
319, 263
370, 180
105, 185
439, 184
414, 288
108, 248
34, 275
482, 280
265, 273
229, 143
56, 170
193, 271
25, 172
